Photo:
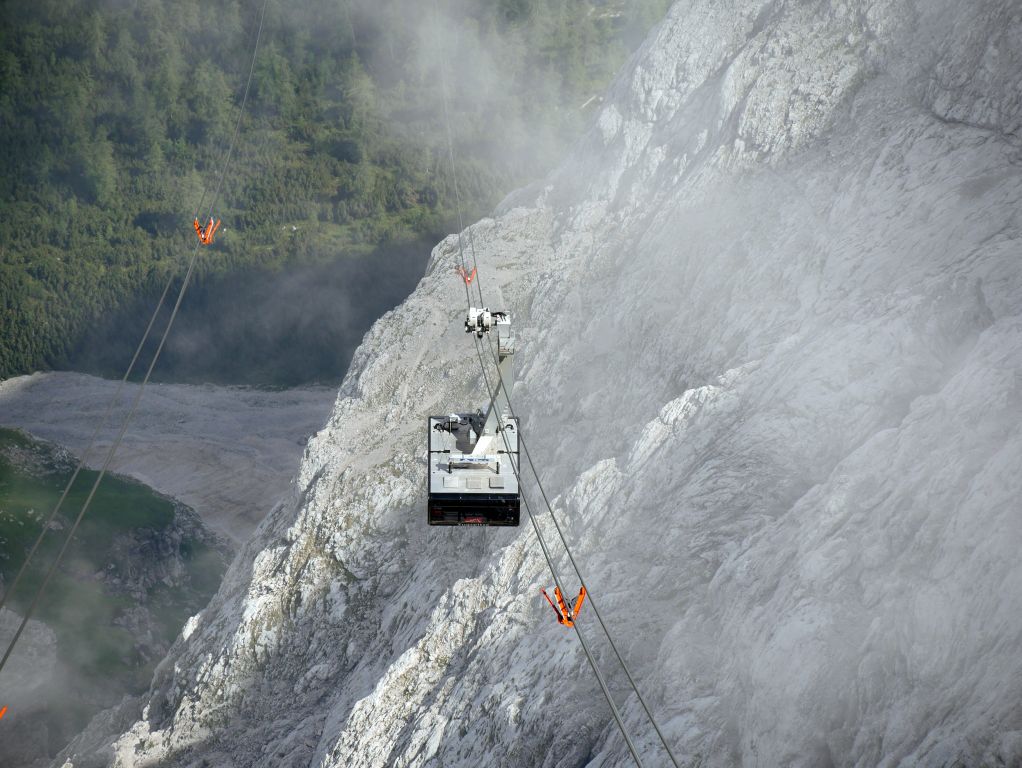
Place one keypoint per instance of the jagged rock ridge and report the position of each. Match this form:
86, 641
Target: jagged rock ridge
770, 341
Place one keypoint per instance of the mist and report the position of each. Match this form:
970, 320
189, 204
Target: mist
455, 81
512, 106
268, 327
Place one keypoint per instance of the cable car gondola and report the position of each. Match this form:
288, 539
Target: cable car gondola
473, 456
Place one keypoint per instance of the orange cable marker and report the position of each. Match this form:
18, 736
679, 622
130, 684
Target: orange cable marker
565, 615
206, 233
3, 711
211, 230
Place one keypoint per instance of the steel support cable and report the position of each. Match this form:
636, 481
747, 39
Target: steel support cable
241, 111
113, 400
106, 465
560, 534
88, 448
593, 606
117, 393
592, 602
553, 570
546, 553
557, 580
575, 567
454, 171
138, 396
450, 155
567, 549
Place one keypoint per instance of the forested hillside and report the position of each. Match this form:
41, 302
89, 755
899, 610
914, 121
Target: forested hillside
114, 115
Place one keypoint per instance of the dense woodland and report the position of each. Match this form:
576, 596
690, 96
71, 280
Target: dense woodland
115, 117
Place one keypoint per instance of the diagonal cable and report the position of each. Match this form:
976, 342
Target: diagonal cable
553, 570
578, 571
88, 448
461, 250
138, 396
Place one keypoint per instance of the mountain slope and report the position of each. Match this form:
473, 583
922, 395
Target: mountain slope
770, 364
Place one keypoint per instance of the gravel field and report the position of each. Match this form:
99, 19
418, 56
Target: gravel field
227, 452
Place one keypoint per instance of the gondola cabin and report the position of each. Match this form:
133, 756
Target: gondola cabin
471, 478
473, 456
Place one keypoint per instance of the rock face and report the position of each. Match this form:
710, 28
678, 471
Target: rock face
32, 673
771, 378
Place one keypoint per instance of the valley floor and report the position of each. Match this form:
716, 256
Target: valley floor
227, 452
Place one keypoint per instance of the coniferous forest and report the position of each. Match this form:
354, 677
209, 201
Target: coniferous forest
115, 117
